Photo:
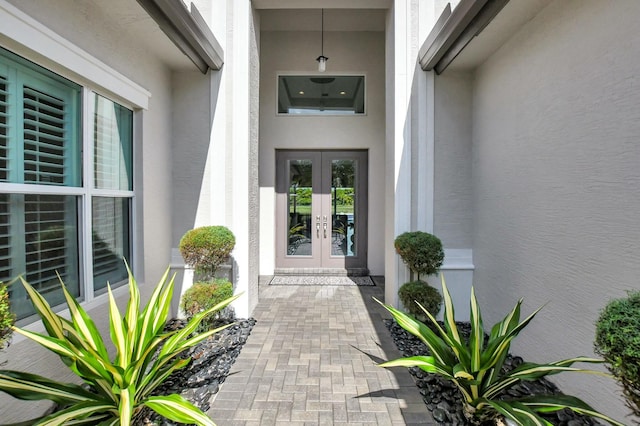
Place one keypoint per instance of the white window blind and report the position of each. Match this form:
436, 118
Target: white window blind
4, 127
49, 224
45, 138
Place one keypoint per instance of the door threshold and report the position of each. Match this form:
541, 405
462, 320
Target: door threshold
351, 272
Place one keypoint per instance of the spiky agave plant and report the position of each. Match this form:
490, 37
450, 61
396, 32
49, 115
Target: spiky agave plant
117, 389
475, 366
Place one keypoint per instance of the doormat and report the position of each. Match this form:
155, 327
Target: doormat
337, 280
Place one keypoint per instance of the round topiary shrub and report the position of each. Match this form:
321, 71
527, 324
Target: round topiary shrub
6, 317
204, 295
618, 342
207, 247
423, 293
421, 251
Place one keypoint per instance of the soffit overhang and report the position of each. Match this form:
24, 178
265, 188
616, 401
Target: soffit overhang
188, 30
469, 34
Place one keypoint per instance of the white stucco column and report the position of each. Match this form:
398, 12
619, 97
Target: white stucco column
398, 142
238, 141
423, 117
410, 134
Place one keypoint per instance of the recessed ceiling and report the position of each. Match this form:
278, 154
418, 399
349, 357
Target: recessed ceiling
334, 19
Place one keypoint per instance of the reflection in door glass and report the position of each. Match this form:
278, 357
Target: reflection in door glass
299, 202
343, 197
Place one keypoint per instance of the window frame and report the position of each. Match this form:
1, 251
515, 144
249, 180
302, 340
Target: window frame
320, 74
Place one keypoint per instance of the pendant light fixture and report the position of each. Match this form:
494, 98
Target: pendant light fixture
322, 60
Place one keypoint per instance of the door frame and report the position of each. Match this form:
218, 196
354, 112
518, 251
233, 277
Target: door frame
326, 262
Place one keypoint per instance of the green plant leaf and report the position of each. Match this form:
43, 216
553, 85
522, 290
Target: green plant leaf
476, 340
84, 413
176, 343
176, 408
131, 315
426, 363
84, 325
550, 403
125, 407
28, 386
450, 334
517, 412
498, 348
158, 375
50, 320
118, 334
436, 345
58, 346
150, 323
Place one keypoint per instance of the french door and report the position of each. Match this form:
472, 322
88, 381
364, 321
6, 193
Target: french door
321, 209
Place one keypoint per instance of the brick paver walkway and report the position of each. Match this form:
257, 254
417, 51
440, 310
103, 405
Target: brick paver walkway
309, 361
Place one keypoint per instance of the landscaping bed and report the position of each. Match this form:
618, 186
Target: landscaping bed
444, 400
211, 361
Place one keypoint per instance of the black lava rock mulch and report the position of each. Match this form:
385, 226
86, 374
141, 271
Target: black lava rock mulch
444, 400
211, 361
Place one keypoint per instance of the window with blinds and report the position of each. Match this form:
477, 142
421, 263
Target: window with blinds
45, 229
4, 127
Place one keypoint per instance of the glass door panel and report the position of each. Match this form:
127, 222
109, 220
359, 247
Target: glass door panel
300, 206
343, 195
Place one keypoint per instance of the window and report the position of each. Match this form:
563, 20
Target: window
321, 95
55, 217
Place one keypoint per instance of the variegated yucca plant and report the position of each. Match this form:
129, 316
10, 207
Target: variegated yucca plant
475, 365
115, 388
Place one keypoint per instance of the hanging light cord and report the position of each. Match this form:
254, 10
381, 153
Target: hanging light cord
322, 32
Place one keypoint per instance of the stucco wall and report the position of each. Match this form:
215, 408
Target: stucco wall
109, 42
556, 177
349, 52
452, 194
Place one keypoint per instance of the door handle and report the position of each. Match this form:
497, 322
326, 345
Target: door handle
324, 226
318, 226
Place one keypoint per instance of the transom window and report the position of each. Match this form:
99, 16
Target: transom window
56, 216
321, 94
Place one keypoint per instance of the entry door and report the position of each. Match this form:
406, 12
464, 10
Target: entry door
321, 209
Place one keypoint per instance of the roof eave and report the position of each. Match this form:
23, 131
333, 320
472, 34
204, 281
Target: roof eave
454, 30
188, 31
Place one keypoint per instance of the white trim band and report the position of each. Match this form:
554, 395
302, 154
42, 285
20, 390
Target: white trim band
458, 259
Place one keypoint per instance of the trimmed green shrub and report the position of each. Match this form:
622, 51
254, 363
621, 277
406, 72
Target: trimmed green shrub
207, 247
201, 296
618, 342
6, 317
421, 251
424, 294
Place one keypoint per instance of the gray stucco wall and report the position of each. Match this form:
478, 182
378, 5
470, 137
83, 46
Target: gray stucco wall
81, 24
452, 194
556, 178
350, 53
